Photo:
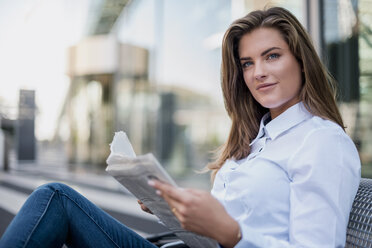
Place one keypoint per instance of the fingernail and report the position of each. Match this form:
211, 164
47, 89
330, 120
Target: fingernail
151, 182
158, 192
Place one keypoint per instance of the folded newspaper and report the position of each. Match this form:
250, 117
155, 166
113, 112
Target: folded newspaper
134, 172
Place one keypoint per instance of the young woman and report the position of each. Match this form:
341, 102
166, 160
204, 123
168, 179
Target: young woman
286, 177
288, 173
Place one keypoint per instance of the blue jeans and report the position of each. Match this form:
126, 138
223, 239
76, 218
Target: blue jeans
55, 214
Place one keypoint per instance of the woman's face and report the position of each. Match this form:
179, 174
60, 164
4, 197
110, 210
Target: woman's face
270, 70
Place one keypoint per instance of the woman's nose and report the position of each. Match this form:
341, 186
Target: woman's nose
260, 77
259, 72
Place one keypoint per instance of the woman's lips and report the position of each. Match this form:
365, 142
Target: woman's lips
265, 86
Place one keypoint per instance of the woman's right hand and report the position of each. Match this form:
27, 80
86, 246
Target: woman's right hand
143, 207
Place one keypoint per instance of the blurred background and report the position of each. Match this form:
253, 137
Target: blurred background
72, 72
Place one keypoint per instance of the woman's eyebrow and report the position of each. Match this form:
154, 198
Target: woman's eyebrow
262, 54
269, 50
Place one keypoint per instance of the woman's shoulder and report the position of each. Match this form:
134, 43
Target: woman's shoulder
317, 126
328, 135
325, 142
318, 134
317, 122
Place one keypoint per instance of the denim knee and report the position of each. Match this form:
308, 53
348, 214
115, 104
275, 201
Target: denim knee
54, 186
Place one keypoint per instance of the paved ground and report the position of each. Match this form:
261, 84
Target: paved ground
103, 190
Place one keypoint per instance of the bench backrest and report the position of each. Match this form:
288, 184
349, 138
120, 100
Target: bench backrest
359, 229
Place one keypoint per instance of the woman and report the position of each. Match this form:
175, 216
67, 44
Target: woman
288, 173
286, 177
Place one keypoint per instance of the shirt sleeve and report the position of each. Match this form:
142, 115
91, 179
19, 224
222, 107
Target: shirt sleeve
324, 177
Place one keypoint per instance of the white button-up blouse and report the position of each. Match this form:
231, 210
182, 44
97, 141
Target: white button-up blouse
296, 187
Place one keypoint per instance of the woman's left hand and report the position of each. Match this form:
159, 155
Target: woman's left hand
198, 211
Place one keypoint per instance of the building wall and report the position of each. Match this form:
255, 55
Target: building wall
159, 79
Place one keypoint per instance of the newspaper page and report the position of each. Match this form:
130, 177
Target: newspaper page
133, 172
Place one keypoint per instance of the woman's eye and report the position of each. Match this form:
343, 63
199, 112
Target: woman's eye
273, 56
246, 64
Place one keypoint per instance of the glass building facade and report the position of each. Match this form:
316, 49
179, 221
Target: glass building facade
163, 87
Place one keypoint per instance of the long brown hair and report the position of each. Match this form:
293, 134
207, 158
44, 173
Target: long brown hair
317, 92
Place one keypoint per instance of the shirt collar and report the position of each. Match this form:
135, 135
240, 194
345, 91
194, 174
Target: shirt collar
286, 120
261, 130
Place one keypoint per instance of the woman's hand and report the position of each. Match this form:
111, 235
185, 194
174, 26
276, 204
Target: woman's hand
198, 211
143, 207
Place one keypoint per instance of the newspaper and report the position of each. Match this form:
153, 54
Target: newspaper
134, 172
